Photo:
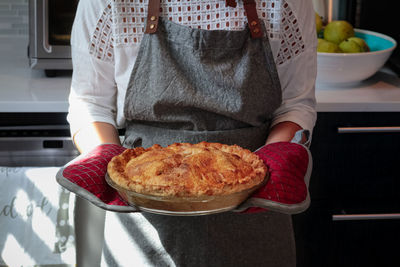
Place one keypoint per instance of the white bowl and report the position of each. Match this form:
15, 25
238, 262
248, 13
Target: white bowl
344, 68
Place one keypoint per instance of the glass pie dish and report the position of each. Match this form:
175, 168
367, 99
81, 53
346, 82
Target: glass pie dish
184, 206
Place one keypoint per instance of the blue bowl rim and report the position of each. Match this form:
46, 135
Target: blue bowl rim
381, 35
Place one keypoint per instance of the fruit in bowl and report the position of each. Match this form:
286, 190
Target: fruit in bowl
349, 46
327, 47
338, 36
361, 42
318, 22
357, 58
337, 31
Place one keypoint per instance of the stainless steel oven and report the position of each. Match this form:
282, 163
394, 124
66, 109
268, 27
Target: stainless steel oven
42, 140
50, 24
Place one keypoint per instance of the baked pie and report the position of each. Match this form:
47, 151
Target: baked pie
187, 170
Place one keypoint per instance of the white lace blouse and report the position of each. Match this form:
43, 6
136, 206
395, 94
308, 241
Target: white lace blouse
107, 33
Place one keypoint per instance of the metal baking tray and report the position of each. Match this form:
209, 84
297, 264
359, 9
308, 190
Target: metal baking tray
183, 206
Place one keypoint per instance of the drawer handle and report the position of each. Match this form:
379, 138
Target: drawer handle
355, 217
390, 129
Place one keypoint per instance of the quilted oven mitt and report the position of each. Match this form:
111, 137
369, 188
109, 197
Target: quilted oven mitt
85, 176
286, 191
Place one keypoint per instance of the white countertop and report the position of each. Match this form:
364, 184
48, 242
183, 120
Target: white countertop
380, 93
25, 90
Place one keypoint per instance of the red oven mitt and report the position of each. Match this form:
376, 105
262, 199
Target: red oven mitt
85, 176
286, 191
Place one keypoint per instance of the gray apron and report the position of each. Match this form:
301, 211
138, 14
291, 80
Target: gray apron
192, 85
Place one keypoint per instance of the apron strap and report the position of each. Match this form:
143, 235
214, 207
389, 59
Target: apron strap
252, 18
153, 15
251, 14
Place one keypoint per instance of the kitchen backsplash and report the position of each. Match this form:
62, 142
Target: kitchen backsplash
13, 17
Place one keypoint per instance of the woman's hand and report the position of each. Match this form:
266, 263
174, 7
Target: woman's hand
289, 169
283, 132
85, 176
94, 135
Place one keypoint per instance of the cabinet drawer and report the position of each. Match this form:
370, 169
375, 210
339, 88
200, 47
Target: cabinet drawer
356, 156
364, 243
355, 192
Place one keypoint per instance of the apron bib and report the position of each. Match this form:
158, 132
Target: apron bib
192, 85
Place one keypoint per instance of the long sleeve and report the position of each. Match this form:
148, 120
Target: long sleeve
93, 87
298, 74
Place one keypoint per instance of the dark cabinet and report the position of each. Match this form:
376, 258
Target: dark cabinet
354, 216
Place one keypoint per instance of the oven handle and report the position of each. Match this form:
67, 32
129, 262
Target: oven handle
389, 129
356, 217
35, 127
46, 45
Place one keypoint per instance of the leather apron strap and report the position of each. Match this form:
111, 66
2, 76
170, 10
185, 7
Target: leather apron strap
252, 18
153, 15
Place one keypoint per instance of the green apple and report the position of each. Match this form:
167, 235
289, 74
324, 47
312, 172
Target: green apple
350, 46
327, 47
318, 22
337, 31
361, 42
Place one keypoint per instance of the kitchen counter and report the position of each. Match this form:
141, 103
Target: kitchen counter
25, 90
380, 93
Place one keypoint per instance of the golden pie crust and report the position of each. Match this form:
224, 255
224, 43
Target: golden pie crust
187, 170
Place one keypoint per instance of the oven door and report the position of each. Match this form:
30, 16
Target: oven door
36, 151
50, 24
30, 156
